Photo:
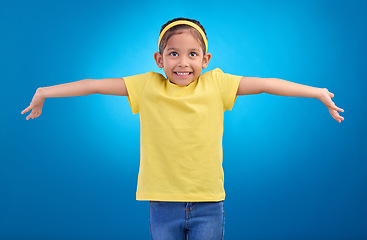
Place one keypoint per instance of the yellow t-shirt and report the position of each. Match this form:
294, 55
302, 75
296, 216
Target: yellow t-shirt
181, 131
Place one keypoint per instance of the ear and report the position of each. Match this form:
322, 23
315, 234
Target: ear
206, 60
158, 59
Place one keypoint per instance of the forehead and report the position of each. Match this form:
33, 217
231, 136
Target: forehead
183, 39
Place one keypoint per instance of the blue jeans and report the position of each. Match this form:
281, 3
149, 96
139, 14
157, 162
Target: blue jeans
186, 220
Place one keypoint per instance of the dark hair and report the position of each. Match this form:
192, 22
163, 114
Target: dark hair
176, 29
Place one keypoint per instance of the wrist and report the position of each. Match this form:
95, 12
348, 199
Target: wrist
316, 92
41, 92
320, 93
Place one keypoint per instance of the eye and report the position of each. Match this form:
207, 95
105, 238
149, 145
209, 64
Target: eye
173, 54
193, 54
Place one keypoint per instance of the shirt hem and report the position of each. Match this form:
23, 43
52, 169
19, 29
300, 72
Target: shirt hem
180, 198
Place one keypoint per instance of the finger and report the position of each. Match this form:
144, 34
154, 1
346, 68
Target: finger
31, 115
338, 108
26, 110
35, 115
331, 95
336, 116
338, 119
334, 107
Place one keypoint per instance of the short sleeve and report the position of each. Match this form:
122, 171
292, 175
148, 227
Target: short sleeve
135, 87
228, 87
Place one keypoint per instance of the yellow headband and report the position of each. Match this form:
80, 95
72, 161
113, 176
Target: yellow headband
183, 22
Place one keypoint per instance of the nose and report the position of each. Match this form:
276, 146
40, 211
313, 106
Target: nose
184, 62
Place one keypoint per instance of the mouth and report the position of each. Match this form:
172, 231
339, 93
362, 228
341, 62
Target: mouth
183, 74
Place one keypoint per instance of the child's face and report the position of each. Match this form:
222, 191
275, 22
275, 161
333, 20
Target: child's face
182, 59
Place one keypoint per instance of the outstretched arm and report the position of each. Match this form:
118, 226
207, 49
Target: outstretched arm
253, 85
108, 86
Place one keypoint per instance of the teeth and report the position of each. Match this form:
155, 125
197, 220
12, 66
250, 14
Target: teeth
178, 73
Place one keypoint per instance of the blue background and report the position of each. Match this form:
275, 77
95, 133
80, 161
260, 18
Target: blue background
291, 170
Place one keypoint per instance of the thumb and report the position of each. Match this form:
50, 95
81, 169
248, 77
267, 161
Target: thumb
331, 94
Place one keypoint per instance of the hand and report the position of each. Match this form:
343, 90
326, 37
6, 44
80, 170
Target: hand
325, 97
36, 105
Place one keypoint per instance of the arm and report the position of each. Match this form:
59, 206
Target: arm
109, 86
253, 85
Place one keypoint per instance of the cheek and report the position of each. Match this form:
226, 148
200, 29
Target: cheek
199, 65
167, 63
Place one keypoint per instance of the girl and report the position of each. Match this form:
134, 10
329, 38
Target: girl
181, 119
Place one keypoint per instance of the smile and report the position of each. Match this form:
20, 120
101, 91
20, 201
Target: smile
183, 73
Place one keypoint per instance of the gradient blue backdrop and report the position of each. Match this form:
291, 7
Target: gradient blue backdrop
291, 171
